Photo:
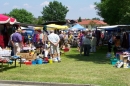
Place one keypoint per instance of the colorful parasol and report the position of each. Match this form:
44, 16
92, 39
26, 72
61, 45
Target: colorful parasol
54, 26
6, 19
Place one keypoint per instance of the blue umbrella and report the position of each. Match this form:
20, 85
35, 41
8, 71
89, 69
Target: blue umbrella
77, 27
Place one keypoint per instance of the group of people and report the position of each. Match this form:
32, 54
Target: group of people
86, 41
53, 43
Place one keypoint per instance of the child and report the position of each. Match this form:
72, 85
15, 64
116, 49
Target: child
66, 47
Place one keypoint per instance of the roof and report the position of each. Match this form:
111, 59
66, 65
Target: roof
87, 22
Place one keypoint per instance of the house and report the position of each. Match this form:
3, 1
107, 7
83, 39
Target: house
90, 24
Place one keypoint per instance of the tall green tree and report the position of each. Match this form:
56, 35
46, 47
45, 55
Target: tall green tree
40, 20
55, 11
114, 11
22, 15
79, 20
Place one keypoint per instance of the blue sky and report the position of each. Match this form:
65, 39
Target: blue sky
77, 8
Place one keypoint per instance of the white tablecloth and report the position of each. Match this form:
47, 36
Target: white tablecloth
5, 52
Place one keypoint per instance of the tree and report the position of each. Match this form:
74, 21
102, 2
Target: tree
95, 18
38, 21
55, 11
79, 20
22, 15
114, 11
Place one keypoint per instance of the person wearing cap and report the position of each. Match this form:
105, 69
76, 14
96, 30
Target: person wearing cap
54, 40
17, 41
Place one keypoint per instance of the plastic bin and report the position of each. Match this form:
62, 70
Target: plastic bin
114, 61
50, 61
39, 61
34, 62
28, 63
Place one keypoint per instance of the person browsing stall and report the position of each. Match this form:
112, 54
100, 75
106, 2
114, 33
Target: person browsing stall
17, 41
54, 40
87, 44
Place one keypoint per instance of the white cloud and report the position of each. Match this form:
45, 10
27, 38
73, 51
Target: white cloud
16, 6
44, 3
91, 6
69, 7
5, 4
27, 5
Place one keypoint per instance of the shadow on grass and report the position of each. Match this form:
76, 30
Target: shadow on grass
6, 67
99, 57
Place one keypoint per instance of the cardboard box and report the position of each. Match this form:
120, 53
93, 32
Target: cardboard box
125, 59
121, 57
27, 56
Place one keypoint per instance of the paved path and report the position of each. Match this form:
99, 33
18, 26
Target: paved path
43, 85
21, 83
15, 85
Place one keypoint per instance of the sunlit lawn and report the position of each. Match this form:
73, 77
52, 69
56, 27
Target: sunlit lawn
95, 69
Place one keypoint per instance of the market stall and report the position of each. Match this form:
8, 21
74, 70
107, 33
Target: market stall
5, 57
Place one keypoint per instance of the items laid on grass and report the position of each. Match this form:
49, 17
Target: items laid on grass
121, 60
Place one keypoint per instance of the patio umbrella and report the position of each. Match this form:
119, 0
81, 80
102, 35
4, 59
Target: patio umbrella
38, 28
77, 27
12, 20
6, 19
54, 26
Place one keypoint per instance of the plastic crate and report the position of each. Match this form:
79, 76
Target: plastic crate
114, 61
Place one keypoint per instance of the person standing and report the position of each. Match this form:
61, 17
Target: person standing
70, 38
110, 43
17, 41
87, 44
61, 35
81, 42
117, 44
93, 43
54, 40
10, 44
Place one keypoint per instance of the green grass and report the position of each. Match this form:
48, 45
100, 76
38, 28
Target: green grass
95, 69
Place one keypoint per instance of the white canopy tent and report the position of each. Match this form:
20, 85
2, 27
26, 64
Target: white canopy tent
112, 27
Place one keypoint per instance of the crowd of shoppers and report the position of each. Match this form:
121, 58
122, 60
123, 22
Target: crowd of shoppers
86, 41
53, 42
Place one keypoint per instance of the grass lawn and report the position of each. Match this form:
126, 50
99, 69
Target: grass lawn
95, 69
